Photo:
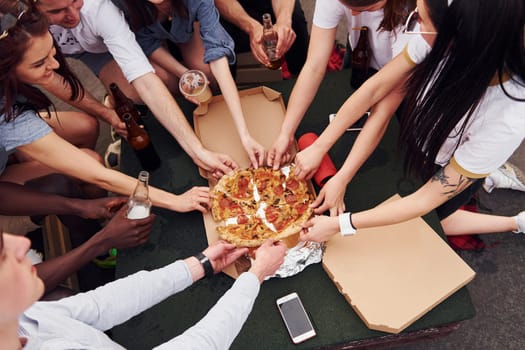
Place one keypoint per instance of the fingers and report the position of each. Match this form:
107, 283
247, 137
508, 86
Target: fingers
277, 160
318, 200
116, 203
253, 160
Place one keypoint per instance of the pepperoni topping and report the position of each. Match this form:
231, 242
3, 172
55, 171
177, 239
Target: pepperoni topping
290, 198
242, 219
242, 187
224, 203
292, 184
301, 208
279, 225
278, 190
262, 185
272, 214
236, 208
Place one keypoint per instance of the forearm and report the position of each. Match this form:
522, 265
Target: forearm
310, 78
164, 59
87, 102
60, 155
302, 95
283, 10
162, 104
371, 134
443, 186
390, 77
19, 200
233, 12
221, 72
56, 270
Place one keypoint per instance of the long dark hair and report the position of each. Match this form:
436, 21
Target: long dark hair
395, 11
18, 96
141, 13
472, 47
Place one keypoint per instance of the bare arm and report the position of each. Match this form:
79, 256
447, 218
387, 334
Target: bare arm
87, 103
119, 233
20, 200
221, 71
56, 153
391, 76
164, 59
303, 93
159, 100
283, 10
331, 196
233, 12
444, 185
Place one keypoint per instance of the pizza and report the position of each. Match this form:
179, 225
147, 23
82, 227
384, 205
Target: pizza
253, 205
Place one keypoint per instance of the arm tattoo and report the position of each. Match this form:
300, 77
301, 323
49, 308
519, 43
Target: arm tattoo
451, 189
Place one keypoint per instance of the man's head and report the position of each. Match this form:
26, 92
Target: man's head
65, 13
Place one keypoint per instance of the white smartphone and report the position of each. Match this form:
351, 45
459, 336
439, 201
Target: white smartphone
357, 126
295, 318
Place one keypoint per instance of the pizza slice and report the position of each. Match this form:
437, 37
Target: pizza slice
225, 207
249, 231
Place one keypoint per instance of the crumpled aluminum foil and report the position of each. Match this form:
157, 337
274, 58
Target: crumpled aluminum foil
298, 257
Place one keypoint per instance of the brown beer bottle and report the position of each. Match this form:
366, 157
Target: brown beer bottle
140, 141
360, 59
270, 42
123, 104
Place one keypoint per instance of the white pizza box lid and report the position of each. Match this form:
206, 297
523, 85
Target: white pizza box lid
392, 275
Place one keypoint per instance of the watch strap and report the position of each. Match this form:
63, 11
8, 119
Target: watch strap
206, 264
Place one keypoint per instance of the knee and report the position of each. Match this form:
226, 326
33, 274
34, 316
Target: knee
86, 131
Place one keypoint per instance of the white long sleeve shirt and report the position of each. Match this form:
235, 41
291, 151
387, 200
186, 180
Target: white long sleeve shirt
79, 322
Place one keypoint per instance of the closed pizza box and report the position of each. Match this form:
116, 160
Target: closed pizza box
393, 275
264, 111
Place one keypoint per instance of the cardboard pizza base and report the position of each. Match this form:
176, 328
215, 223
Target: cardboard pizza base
264, 111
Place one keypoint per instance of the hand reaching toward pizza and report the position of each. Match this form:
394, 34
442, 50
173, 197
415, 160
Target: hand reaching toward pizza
268, 258
222, 254
319, 228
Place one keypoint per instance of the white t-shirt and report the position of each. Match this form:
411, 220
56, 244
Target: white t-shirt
384, 44
103, 28
495, 130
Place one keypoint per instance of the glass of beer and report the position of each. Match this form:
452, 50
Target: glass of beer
193, 84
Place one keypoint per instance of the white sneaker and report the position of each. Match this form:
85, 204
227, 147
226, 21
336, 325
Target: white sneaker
520, 220
506, 176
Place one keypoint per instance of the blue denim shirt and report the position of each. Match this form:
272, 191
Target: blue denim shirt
217, 42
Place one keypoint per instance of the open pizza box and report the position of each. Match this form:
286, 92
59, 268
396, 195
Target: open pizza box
392, 275
264, 111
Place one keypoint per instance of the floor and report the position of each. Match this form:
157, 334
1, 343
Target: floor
496, 290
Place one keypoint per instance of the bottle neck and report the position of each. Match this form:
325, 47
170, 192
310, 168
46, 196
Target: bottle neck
267, 22
141, 190
118, 95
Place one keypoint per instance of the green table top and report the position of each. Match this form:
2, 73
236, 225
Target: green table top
178, 235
